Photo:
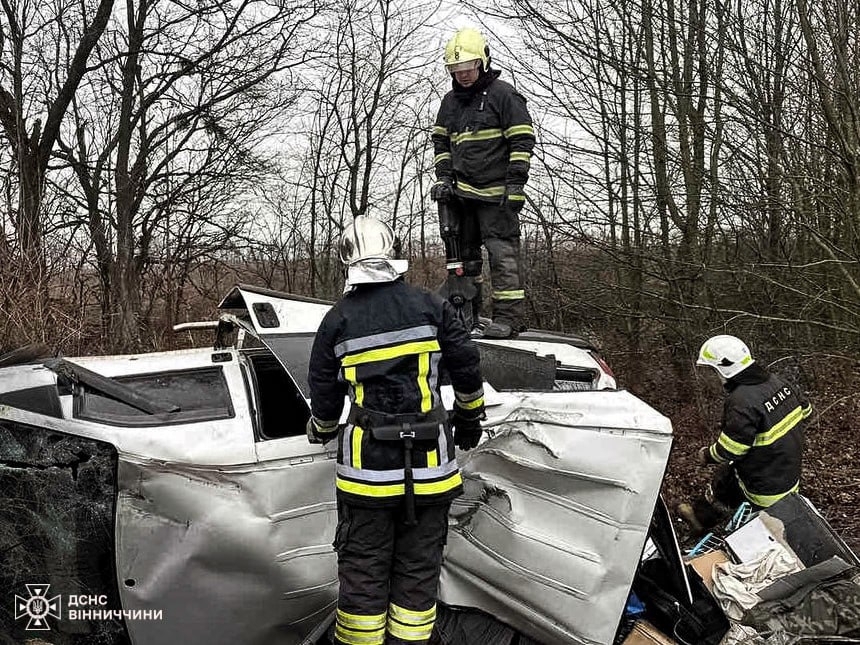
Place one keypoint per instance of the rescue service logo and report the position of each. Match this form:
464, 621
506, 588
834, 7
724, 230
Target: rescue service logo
37, 608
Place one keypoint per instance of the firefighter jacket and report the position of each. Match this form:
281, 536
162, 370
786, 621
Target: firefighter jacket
762, 435
385, 345
483, 139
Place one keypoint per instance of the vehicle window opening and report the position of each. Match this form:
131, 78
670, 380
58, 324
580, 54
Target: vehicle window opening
182, 396
509, 368
572, 379
282, 409
512, 368
266, 315
114, 388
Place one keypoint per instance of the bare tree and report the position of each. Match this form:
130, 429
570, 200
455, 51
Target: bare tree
185, 100
368, 126
696, 158
28, 96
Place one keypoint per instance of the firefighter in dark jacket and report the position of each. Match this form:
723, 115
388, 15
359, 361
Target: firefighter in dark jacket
483, 141
760, 446
384, 345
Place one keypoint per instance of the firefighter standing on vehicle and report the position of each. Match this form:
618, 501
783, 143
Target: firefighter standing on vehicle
483, 141
384, 345
760, 445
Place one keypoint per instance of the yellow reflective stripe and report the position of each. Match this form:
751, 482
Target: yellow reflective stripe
807, 411
351, 637
357, 388
370, 490
361, 621
707, 354
440, 131
411, 616
715, 455
514, 130
516, 294
516, 198
470, 405
441, 157
732, 446
471, 396
478, 135
492, 191
432, 458
423, 385
410, 625
396, 351
410, 633
780, 429
324, 427
389, 490
767, 500
441, 486
357, 434
520, 156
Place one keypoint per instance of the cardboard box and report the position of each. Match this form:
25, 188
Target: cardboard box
644, 633
704, 566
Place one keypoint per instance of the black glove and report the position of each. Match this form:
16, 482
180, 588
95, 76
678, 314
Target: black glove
311, 432
514, 198
314, 436
467, 432
442, 190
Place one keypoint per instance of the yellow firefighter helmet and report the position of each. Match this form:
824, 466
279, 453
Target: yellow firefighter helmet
465, 46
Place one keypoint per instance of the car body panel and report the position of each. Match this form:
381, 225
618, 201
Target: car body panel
292, 314
556, 511
250, 560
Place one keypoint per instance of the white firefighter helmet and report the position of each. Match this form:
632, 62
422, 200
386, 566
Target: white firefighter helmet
728, 355
366, 238
367, 250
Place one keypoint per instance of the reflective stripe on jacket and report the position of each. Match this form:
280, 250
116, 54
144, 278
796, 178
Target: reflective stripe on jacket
763, 435
483, 139
384, 345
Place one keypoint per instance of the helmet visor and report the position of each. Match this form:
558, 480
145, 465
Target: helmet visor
465, 66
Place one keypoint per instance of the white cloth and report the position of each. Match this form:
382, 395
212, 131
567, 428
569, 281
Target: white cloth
741, 635
735, 585
374, 270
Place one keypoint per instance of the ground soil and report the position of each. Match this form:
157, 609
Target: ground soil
693, 402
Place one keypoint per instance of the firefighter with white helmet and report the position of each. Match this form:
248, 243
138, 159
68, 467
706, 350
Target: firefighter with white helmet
761, 441
384, 345
728, 355
483, 140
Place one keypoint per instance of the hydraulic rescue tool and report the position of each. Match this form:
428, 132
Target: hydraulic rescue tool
459, 289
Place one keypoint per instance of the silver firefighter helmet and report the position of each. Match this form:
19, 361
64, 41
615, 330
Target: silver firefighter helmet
366, 238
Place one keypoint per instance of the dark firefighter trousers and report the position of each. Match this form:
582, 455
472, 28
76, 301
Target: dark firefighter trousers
721, 500
498, 228
388, 573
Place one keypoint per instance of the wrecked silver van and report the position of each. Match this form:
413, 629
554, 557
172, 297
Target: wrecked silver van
174, 498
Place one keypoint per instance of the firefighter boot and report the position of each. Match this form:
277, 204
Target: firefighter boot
507, 318
685, 512
498, 329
